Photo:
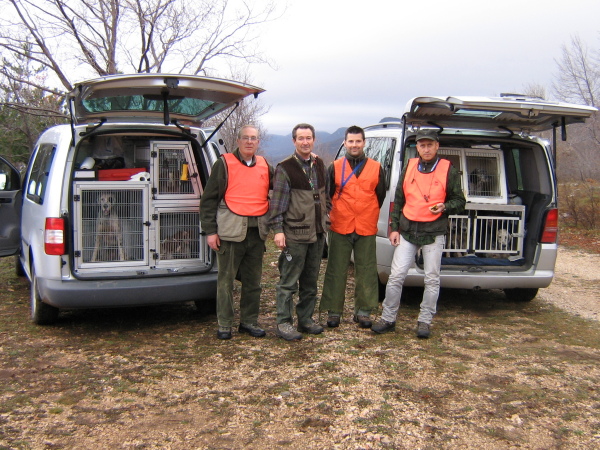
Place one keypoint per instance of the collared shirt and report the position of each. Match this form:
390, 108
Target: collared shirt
280, 200
214, 191
454, 204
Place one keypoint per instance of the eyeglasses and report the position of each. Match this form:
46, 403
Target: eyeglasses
249, 138
287, 254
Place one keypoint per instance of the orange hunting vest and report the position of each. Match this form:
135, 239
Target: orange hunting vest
356, 208
423, 190
247, 187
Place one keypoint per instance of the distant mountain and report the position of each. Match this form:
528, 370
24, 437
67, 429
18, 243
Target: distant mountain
276, 147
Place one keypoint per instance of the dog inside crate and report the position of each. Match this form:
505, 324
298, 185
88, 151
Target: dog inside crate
112, 225
179, 235
173, 177
483, 175
496, 236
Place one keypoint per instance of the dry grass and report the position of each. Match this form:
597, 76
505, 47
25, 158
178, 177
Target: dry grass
495, 374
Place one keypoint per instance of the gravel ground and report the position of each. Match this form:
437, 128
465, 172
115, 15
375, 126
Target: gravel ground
576, 285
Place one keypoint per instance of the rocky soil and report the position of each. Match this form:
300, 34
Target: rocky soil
494, 375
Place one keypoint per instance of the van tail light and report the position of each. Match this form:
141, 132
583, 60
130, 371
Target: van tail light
54, 236
550, 231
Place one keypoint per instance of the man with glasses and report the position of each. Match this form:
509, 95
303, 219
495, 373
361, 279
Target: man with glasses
298, 218
233, 213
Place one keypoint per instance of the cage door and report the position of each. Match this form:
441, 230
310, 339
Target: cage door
110, 224
174, 171
180, 239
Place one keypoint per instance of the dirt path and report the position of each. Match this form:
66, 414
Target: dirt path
576, 285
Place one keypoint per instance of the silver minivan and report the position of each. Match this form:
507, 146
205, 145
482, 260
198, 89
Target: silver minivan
507, 236
109, 213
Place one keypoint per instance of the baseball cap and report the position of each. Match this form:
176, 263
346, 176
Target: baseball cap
427, 134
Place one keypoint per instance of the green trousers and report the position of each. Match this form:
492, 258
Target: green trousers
299, 272
366, 290
245, 257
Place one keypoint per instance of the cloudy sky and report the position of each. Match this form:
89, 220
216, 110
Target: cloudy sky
344, 62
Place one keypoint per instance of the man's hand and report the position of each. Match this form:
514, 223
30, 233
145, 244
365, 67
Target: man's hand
214, 242
437, 209
279, 240
395, 238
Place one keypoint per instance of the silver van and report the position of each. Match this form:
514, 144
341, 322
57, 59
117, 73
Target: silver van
109, 213
507, 236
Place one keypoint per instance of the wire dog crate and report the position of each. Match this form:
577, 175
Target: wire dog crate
174, 171
491, 231
109, 224
179, 235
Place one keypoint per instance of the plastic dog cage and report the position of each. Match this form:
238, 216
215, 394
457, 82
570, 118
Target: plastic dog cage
483, 177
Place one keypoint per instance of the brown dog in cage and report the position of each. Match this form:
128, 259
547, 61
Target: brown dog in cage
176, 247
109, 236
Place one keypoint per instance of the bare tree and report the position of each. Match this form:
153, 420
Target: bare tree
578, 79
535, 90
87, 38
248, 112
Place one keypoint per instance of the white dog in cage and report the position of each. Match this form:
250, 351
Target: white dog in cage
502, 241
109, 236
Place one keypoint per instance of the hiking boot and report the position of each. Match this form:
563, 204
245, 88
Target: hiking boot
224, 333
333, 320
363, 321
423, 330
252, 330
383, 326
287, 332
310, 328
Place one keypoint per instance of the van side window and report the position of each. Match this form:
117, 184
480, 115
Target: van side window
381, 150
38, 178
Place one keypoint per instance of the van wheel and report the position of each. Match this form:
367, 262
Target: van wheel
521, 294
206, 307
381, 290
19, 271
41, 313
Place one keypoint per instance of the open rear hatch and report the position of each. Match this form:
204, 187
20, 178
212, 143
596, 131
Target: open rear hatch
509, 112
155, 98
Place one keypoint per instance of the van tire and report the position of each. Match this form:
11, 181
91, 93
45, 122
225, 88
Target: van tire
19, 271
206, 307
41, 313
521, 294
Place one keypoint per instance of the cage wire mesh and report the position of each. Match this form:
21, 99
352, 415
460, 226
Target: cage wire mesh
483, 175
498, 236
173, 167
179, 235
112, 225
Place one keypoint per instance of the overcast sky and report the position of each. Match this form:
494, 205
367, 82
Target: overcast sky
349, 62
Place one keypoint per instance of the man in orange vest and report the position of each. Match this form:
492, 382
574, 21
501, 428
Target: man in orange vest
428, 191
233, 213
357, 190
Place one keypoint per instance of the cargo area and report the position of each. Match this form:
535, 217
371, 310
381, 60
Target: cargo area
507, 195
135, 204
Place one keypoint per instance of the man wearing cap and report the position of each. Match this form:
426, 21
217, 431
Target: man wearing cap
428, 191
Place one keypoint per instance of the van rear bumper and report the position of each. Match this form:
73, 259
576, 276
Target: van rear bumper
496, 280
76, 294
